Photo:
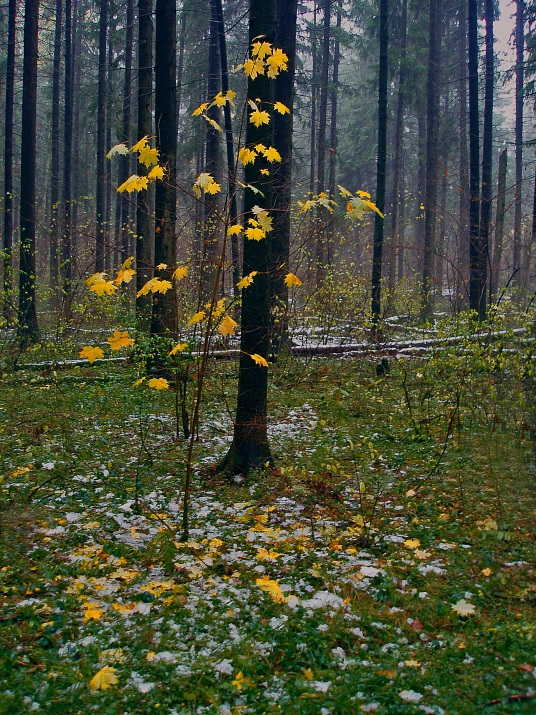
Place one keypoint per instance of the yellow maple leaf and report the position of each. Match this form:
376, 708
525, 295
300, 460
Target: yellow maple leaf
213, 123
241, 680
148, 156
271, 587
197, 318
234, 230
130, 185
463, 608
265, 172
157, 172
372, 207
161, 267
308, 674
292, 280
227, 326
197, 112
92, 612
117, 150
253, 68
154, 285
257, 118
281, 108
150, 655
305, 206
124, 275
141, 144
205, 182
120, 340
344, 192
259, 360
158, 383
255, 234
180, 272
246, 156
277, 61
103, 287
262, 219
179, 348
271, 154
91, 353
104, 679
261, 49
263, 554
412, 543
246, 280
220, 100
366, 195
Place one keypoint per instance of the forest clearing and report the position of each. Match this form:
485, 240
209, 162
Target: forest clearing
267, 363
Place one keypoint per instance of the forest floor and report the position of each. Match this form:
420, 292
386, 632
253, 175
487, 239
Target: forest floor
385, 566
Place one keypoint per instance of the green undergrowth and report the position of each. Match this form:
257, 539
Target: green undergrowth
385, 565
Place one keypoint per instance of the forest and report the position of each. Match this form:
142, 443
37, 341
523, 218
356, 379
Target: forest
267, 357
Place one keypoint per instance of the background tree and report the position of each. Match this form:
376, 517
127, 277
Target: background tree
8, 155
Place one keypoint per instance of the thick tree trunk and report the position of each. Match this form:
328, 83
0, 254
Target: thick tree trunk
285, 39
381, 168
499, 225
100, 221
250, 447
520, 74
432, 136
144, 222
474, 150
55, 159
480, 282
164, 318
8, 157
28, 329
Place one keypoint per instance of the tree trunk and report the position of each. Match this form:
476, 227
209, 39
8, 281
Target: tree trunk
499, 225
28, 329
474, 150
463, 232
520, 45
124, 166
164, 318
250, 447
8, 157
314, 97
144, 222
480, 282
432, 131
55, 159
334, 92
285, 39
180, 61
322, 214
233, 208
66, 247
76, 76
381, 167
110, 248
421, 190
100, 221
399, 138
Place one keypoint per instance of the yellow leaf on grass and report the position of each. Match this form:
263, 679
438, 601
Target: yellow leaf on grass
246, 280
272, 588
259, 360
308, 674
258, 118
227, 326
91, 353
292, 280
281, 108
92, 612
104, 679
197, 318
158, 383
120, 340
180, 272
241, 681
463, 608
179, 348
412, 543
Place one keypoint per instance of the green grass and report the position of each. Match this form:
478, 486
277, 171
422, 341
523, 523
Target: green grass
437, 451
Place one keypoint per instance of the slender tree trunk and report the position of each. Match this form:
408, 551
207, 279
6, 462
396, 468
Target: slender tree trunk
164, 317
480, 283
144, 222
66, 244
28, 329
432, 132
100, 221
463, 233
474, 150
55, 158
401, 223
110, 248
499, 225
229, 145
124, 165
334, 92
323, 216
441, 243
8, 157
421, 190
76, 75
250, 447
399, 138
520, 45
180, 61
381, 167
285, 39
314, 97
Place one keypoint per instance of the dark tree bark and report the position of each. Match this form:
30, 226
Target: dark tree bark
334, 94
285, 39
229, 145
463, 233
66, 242
421, 188
28, 329
397, 168
381, 167
55, 158
8, 156
520, 75
432, 131
322, 214
499, 225
210, 253
124, 165
100, 194
180, 60
314, 97
164, 318
76, 82
144, 222
474, 151
250, 447
480, 281
110, 249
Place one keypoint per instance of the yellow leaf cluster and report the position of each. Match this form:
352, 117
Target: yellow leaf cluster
148, 156
120, 340
246, 280
99, 285
154, 285
205, 182
292, 280
264, 59
255, 233
234, 230
227, 326
158, 383
272, 588
133, 183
